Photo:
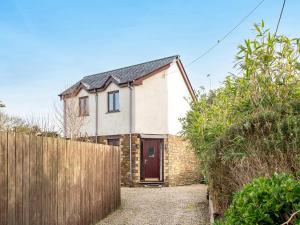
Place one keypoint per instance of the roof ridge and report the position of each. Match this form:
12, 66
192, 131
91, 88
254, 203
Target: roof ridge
177, 56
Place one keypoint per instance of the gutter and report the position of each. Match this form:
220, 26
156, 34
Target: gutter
130, 132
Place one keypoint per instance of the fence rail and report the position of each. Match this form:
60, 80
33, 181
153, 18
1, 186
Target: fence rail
55, 181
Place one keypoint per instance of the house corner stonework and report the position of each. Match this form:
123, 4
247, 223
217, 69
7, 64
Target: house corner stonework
183, 164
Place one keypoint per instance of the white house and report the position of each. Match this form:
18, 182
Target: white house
138, 108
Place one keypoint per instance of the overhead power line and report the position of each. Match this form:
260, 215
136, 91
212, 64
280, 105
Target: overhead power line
227, 34
282, 8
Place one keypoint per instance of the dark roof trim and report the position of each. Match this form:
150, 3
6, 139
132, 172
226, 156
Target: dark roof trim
140, 80
186, 79
107, 83
77, 88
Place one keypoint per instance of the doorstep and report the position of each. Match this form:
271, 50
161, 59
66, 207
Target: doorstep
152, 183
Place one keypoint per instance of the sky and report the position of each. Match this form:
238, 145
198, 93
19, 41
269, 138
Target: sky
47, 45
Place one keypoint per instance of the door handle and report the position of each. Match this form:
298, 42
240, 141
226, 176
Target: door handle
146, 161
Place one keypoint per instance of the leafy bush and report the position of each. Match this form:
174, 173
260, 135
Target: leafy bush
249, 127
265, 201
269, 75
257, 146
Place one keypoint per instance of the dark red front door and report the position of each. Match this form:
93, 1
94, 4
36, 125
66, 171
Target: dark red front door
151, 158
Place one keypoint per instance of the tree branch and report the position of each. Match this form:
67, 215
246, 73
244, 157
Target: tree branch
290, 219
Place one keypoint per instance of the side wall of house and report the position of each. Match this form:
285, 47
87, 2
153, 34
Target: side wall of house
151, 105
177, 99
160, 102
77, 125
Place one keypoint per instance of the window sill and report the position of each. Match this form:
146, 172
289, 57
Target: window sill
115, 111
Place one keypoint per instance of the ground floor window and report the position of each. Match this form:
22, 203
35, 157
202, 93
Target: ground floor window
113, 141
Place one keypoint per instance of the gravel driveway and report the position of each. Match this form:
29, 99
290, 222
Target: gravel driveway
168, 205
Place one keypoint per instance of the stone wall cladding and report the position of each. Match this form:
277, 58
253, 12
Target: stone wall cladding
180, 162
125, 160
183, 164
166, 163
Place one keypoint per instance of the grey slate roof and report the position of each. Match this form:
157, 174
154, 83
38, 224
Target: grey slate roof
122, 75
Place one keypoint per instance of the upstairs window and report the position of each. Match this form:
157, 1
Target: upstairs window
113, 101
84, 106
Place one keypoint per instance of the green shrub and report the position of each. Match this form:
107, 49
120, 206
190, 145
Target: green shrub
250, 126
256, 147
265, 201
269, 76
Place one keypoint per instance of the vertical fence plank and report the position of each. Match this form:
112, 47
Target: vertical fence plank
106, 180
39, 179
89, 183
46, 184
111, 171
87, 191
50, 200
115, 168
3, 179
32, 181
52, 167
76, 182
93, 180
26, 175
115, 177
111, 151
109, 178
68, 189
65, 181
19, 181
70, 209
54, 180
61, 181
82, 184
103, 181
11, 170
97, 196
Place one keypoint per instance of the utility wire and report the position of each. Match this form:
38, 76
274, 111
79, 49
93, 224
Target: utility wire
282, 8
227, 34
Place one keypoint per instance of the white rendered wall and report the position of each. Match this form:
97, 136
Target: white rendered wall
116, 122
151, 106
80, 126
177, 95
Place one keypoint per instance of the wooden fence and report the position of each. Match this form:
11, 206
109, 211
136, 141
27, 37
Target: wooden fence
55, 181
